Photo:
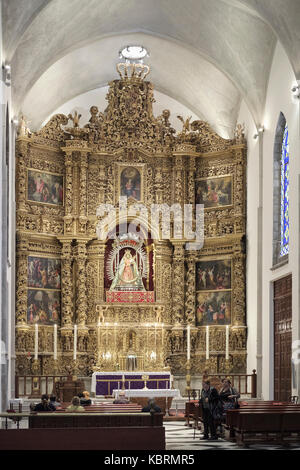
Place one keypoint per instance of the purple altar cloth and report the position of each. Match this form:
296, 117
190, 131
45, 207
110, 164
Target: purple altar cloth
105, 383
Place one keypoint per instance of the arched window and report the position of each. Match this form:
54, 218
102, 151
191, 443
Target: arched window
284, 200
281, 221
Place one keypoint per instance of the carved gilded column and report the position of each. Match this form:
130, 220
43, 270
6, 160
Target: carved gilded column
68, 219
191, 181
21, 283
83, 166
66, 283
178, 179
240, 185
22, 147
163, 272
190, 290
238, 289
81, 298
178, 281
158, 185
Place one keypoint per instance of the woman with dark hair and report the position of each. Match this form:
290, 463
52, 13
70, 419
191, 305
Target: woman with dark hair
229, 395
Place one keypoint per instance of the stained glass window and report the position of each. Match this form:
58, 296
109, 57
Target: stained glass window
285, 182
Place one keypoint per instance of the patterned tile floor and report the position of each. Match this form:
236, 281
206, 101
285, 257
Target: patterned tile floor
180, 437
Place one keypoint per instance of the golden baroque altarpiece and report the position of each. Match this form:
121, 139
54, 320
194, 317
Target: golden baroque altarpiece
64, 172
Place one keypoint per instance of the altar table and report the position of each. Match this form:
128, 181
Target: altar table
163, 397
103, 383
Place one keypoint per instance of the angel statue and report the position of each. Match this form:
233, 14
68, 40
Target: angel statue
186, 124
75, 118
127, 274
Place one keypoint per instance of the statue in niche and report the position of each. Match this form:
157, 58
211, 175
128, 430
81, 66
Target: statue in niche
127, 274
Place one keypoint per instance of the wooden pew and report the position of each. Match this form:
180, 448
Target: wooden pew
264, 422
100, 438
107, 408
85, 431
95, 419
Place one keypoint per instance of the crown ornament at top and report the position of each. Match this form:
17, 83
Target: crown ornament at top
132, 71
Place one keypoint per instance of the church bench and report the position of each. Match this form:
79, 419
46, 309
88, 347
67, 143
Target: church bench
107, 408
190, 410
91, 438
264, 424
95, 419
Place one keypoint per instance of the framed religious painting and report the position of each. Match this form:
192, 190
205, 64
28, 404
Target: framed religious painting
213, 275
44, 273
44, 187
214, 192
130, 182
43, 306
213, 308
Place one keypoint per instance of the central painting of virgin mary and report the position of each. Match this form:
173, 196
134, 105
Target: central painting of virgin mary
127, 275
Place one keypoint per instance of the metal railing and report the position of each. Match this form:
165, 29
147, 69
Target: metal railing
36, 385
246, 384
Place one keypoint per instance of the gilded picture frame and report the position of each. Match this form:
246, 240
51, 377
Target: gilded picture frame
129, 182
45, 187
214, 191
213, 308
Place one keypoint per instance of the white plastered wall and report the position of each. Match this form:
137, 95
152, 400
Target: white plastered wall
260, 276
7, 242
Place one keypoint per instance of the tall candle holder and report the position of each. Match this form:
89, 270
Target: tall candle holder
55, 366
188, 376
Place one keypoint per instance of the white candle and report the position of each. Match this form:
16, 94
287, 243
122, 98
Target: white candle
36, 342
55, 342
98, 339
227, 343
75, 343
188, 342
207, 342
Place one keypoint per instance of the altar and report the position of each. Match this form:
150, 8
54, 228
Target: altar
163, 397
104, 383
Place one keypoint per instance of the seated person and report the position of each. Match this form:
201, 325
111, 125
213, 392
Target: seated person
75, 405
85, 398
55, 403
122, 399
45, 405
151, 407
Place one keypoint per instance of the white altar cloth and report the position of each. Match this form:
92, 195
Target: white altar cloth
150, 393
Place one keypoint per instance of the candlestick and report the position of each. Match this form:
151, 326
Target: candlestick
75, 343
98, 339
227, 343
188, 342
55, 342
36, 342
207, 342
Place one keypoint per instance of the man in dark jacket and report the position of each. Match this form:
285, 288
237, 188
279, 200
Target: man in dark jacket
209, 401
45, 405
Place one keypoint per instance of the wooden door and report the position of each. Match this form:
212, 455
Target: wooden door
282, 338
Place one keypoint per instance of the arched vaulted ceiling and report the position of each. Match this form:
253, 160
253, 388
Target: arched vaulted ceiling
206, 54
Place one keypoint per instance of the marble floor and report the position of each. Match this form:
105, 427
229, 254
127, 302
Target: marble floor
180, 437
